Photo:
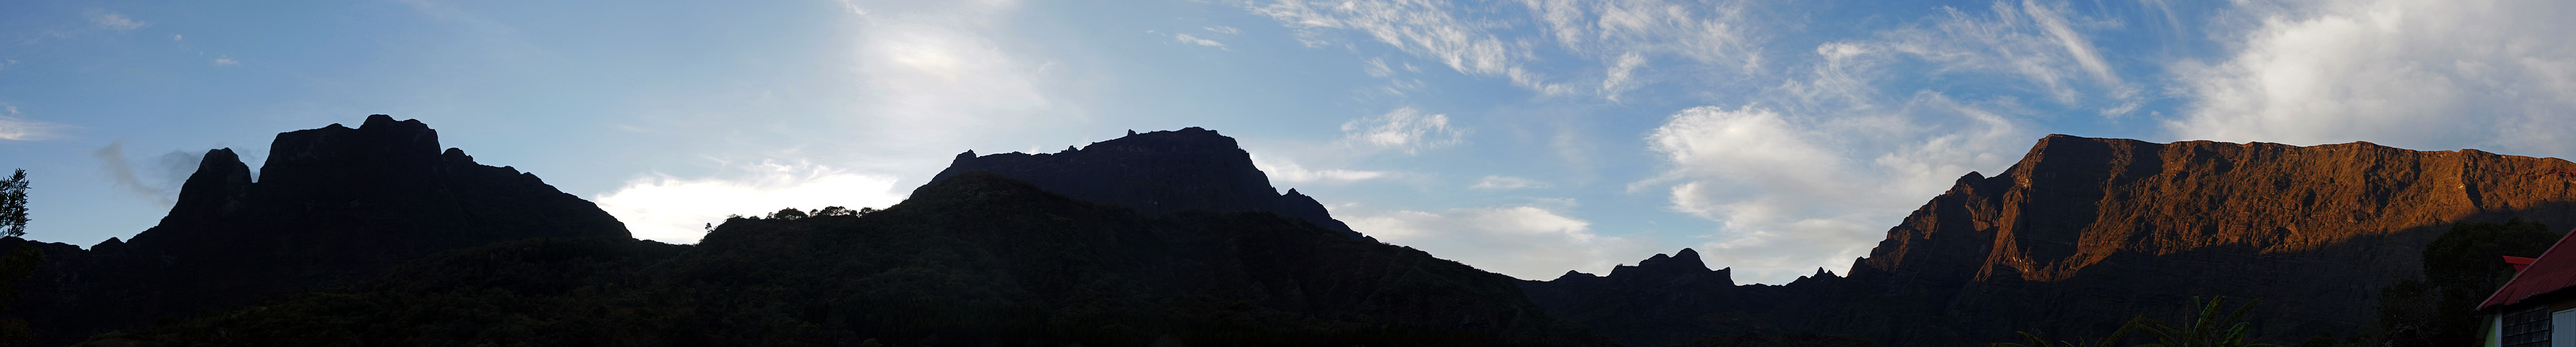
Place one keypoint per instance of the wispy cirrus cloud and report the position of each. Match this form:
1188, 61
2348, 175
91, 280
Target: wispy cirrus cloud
112, 20
14, 127
2034, 40
1404, 130
1495, 182
1482, 39
1186, 38
1425, 29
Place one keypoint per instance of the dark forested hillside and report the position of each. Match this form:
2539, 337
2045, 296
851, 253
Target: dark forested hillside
1156, 172
973, 259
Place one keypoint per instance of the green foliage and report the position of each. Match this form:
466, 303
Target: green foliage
2469, 253
2205, 328
788, 214
1757, 339
13, 205
2036, 339
2461, 267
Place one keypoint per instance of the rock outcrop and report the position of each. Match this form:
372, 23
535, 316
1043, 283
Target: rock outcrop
2084, 233
1156, 172
331, 206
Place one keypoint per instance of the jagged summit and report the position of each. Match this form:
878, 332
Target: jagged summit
1155, 172
1684, 262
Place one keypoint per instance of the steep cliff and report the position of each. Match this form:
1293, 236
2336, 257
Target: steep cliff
1156, 172
2084, 233
332, 206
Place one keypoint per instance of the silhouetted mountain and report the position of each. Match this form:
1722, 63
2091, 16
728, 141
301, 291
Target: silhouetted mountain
972, 259
333, 206
1156, 172
2084, 233
1663, 300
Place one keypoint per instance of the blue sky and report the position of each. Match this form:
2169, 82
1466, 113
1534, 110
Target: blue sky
1527, 138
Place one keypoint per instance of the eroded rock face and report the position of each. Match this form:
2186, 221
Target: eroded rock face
2087, 230
2084, 233
1155, 172
332, 205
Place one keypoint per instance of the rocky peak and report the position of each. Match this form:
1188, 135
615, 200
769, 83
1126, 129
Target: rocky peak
1683, 263
1155, 172
331, 205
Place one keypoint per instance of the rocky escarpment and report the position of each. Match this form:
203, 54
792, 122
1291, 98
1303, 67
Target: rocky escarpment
2084, 233
332, 205
1155, 172
2083, 230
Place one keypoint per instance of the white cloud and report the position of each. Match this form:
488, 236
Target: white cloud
116, 21
1289, 171
1186, 38
1752, 145
670, 209
1506, 183
1798, 192
14, 128
1222, 29
226, 61
178, 37
1405, 129
1528, 242
2494, 74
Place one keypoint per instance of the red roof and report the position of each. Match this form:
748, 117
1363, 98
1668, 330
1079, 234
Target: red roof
2553, 271
2518, 262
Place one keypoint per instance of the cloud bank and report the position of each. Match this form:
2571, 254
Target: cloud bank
677, 210
2427, 75
1528, 242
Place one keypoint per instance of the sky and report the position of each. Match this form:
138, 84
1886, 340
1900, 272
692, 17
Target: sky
1528, 138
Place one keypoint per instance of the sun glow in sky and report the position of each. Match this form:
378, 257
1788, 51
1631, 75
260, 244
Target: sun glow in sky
1523, 137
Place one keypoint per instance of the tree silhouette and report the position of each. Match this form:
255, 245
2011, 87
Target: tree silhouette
19, 263
13, 205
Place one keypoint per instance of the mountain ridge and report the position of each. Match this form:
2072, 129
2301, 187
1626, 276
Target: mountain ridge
2083, 232
331, 206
